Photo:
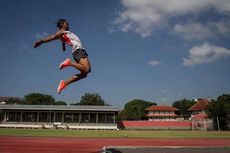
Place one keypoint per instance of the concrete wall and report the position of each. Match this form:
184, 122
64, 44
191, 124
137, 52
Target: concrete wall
165, 125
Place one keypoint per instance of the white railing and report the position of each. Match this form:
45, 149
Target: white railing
60, 126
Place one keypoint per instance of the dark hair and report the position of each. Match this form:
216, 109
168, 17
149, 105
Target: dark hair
60, 22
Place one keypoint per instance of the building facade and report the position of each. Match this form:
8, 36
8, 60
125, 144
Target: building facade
200, 120
59, 115
161, 113
199, 107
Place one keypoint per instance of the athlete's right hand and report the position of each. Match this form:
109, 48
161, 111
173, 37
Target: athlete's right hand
38, 43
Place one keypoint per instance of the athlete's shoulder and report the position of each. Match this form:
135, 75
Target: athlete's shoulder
72, 33
61, 32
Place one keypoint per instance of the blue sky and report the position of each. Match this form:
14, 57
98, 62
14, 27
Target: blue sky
138, 49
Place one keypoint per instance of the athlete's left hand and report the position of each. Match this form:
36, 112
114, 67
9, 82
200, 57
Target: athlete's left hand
38, 43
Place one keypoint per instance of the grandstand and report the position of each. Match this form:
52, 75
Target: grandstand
56, 116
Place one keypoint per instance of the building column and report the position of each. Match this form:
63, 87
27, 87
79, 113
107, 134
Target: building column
48, 117
5, 116
63, 115
89, 117
97, 117
54, 117
114, 118
105, 117
15, 116
21, 116
79, 118
37, 116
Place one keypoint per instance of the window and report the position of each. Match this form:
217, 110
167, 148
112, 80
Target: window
29, 117
14, 116
110, 118
68, 117
88, 117
75, 117
58, 117
101, 118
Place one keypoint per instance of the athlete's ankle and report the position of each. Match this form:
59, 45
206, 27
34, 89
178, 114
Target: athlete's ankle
71, 63
66, 83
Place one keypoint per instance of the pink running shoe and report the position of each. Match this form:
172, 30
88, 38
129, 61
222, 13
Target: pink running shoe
61, 86
64, 64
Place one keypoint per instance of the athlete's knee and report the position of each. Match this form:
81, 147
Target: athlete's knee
84, 75
86, 70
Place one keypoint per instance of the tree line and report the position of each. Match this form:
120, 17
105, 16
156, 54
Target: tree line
44, 99
218, 110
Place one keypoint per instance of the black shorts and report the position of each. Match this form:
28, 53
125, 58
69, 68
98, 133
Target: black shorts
78, 54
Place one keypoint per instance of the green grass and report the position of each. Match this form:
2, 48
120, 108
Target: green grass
111, 134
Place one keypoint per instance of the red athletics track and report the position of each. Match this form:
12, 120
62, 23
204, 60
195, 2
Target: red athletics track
92, 145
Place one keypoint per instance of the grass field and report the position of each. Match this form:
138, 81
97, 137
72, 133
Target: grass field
111, 134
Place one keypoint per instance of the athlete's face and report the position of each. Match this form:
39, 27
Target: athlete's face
66, 25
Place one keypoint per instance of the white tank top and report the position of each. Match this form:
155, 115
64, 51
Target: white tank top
72, 40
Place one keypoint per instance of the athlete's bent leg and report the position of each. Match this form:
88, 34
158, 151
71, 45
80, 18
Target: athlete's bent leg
85, 69
75, 78
63, 84
83, 66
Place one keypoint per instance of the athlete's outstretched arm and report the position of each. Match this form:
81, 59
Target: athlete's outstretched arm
48, 39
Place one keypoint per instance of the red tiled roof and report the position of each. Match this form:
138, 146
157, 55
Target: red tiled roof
200, 116
200, 105
161, 107
161, 115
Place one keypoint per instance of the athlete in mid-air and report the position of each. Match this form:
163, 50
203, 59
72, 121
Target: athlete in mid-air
79, 54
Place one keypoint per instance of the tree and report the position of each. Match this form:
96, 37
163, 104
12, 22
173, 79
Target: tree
14, 101
60, 103
135, 110
38, 99
224, 98
92, 99
183, 105
221, 109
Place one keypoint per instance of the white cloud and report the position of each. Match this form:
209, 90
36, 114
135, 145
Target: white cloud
192, 31
41, 35
201, 31
154, 63
222, 27
205, 53
143, 16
